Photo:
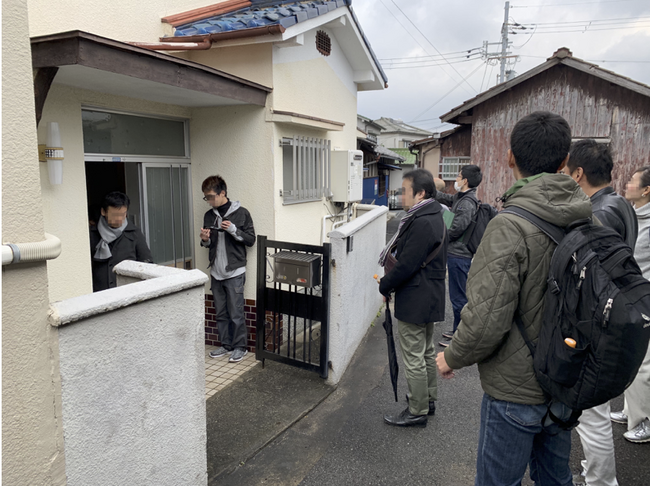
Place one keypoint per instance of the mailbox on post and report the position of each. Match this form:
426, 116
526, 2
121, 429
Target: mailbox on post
297, 269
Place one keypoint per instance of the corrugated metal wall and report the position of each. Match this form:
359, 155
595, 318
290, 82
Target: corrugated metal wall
593, 108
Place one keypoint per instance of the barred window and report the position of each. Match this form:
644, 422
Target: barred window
306, 169
450, 167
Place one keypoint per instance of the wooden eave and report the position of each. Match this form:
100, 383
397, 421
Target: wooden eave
92, 51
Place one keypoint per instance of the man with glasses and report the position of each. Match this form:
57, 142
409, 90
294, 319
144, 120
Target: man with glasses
227, 231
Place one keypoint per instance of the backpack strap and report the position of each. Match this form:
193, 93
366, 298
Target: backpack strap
554, 232
436, 251
522, 330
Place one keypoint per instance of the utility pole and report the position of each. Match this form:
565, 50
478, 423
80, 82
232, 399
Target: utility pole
504, 43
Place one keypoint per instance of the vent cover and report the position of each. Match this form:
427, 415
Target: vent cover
323, 43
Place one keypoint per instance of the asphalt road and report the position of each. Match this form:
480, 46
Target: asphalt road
344, 440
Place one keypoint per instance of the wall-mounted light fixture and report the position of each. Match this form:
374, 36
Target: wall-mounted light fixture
52, 153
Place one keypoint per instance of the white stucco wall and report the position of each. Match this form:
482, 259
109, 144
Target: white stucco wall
133, 382
355, 297
65, 206
32, 436
123, 20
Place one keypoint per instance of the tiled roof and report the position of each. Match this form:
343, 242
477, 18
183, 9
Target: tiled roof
406, 155
260, 14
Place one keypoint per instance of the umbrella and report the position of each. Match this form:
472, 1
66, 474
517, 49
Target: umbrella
392, 354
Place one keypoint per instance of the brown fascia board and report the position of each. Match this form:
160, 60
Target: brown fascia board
232, 34
205, 12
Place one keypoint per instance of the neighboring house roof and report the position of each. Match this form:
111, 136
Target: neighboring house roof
561, 56
368, 122
242, 18
407, 157
392, 125
379, 149
435, 138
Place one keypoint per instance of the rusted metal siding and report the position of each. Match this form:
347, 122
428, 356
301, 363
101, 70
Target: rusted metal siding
593, 108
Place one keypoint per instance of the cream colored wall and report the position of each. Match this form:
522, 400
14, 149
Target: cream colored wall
253, 62
65, 206
123, 20
237, 144
432, 160
32, 436
313, 85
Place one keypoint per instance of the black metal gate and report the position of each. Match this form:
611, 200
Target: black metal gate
293, 313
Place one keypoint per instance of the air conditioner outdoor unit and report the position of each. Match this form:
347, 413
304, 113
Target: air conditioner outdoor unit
347, 175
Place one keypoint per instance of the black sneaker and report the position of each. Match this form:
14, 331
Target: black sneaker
445, 342
448, 334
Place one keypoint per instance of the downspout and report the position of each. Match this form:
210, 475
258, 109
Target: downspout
50, 248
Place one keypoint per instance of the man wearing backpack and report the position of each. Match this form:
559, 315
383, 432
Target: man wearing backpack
463, 205
508, 280
590, 165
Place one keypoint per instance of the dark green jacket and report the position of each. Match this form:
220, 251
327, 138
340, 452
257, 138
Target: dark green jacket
508, 274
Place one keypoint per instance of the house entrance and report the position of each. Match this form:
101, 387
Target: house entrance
148, 159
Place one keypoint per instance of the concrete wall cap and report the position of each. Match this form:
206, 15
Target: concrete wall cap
157, 281
354, 226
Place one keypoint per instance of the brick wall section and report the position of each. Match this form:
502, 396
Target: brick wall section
211, 332
250, 310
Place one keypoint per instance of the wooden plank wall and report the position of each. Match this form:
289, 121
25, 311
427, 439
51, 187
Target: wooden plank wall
593, 108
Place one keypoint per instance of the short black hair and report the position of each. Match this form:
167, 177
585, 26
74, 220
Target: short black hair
473, 175
540, 142
116, 199
214, 183
421, 179
595, 160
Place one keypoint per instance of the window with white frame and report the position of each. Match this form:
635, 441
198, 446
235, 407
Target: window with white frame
305, 169
450, 167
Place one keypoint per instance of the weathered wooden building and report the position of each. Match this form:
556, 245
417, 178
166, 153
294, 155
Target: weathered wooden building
596, 102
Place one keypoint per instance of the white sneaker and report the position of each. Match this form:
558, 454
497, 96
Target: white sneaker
618, 417
640, 433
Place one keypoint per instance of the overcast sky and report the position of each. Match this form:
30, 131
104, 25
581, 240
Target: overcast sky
615, 31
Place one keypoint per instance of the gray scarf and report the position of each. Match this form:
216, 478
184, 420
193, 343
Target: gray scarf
108, 235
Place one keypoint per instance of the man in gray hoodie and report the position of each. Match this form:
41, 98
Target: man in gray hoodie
227, 231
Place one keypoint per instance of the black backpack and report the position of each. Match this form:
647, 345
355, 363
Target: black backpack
598, 298
474, 233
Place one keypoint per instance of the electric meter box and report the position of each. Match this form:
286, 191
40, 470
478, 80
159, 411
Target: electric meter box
347, 175
296, 268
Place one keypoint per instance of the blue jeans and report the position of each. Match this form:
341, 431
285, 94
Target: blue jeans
458, 269
511, 437
229, 306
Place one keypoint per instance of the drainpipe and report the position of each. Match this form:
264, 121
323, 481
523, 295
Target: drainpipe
50, 248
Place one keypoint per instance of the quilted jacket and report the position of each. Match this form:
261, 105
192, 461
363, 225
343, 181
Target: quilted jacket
508, 274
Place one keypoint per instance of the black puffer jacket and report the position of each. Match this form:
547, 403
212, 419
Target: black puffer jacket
617, 213
419, 292
131, 245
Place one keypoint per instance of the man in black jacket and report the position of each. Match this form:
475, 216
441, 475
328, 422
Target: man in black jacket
419, 293
227, 231
114, 239
464, 205
590, 165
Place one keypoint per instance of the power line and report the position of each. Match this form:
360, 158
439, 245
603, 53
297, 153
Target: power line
445, 95
579, 30
593, 60
412, 36
465, 51
429, 65
436, 49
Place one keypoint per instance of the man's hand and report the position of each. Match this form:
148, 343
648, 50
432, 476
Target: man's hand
205, 234
445, 370
225, 224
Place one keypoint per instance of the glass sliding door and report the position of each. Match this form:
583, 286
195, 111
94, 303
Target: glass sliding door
166, 197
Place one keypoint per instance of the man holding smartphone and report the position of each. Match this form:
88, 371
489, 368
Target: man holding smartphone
227, 231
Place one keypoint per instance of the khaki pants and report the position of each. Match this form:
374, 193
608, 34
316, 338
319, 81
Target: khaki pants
419, 356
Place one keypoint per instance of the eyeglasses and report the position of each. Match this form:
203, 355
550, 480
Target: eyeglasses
209, 197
